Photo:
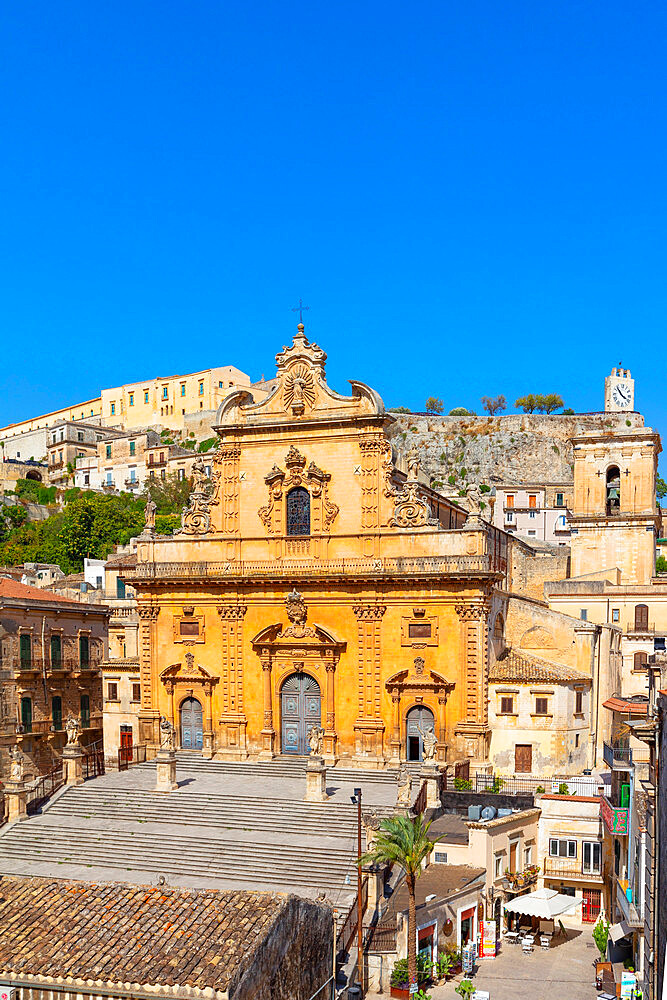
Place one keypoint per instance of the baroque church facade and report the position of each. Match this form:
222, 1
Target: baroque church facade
320, 582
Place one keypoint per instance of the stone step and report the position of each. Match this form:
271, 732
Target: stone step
325, 819
285, 768
233, 861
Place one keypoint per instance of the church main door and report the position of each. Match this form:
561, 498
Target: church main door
192, 728
300, 708
418, 718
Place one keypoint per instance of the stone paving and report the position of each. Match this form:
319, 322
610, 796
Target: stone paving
565, 972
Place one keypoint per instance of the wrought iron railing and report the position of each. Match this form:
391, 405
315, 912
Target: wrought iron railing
518, 784
44, 788
348, 929
420, 802
135, 754
570, 869
93, 760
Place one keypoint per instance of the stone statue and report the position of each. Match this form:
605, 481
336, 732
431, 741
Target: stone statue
404, 791
16, 766
199, 476
316, 740
73, 730
149, 514
430, 743
474, 499
413, 464
166, 734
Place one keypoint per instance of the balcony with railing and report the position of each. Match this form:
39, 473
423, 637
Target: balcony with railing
570, 870
625, 901
620, 757
37, 664
132, 483
614, 815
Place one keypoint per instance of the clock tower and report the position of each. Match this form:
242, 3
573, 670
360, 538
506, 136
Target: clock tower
619, 391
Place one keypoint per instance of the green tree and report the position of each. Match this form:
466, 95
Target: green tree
170, 495
434, 405
601, 936
660, 487
661, 565
529, 403
460, 411
405, 842
400, 409
493, 404
552, 401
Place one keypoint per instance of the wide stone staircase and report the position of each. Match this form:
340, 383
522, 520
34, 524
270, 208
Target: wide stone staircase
221, 828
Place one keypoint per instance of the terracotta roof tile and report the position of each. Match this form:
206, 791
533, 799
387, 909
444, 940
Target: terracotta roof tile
123, 933
524, 668
11, 588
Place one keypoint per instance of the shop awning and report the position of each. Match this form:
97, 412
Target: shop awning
543, 903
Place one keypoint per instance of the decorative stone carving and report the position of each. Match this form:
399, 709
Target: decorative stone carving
299, 389
419, 664
73, 729
16, 765
196, 517
473, 612
295, 463
411, 510
232, 612
404, 788
316, 740
369, 612
297, 614
323, 510
474, 504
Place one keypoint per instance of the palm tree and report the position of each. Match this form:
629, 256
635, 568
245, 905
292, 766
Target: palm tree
404, 841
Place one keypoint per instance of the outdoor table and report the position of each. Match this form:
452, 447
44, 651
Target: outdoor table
512, 937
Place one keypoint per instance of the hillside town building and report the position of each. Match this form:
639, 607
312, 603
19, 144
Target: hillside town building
51, 649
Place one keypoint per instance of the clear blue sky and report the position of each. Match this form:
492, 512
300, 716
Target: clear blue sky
470, 196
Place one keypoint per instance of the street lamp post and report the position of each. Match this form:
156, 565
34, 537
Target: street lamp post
360, 956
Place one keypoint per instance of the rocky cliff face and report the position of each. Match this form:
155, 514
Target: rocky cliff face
520, 448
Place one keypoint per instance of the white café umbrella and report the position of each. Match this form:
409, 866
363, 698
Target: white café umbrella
543, 903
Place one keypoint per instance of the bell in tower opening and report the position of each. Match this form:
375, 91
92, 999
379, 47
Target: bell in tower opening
613, 490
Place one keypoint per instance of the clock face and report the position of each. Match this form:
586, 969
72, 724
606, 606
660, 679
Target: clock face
622, 395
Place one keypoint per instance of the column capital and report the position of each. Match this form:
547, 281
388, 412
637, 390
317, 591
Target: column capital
369, 612
232, 612
473, 612
148, 612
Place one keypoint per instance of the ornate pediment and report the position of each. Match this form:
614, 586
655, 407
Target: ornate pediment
300, 391
188, 672
323, 511
419, 678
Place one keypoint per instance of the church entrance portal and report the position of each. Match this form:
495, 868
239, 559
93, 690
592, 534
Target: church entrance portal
192, 729
418, 718
300, 709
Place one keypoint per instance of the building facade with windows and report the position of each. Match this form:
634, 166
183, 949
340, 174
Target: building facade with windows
68, 441
574, 852
536, 511
51, 650
320, 581
167, 401
539, 712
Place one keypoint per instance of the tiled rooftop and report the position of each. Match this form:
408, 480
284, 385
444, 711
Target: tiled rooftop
524, 668
140, 935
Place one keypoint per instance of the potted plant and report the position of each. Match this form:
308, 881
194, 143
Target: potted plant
400, 979
444, 965
465, 989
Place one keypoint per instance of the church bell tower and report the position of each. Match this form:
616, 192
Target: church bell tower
619, 391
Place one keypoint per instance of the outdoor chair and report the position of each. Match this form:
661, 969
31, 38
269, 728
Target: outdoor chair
527, 945
545, 941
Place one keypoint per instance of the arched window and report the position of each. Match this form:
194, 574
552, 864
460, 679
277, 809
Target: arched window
639, 661
298, 511
641, 617
499, 627
613, 490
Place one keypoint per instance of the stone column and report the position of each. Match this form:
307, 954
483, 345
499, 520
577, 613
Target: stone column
166, 771
396, 735
73, 764
268, 732
207, 749
473, 731
316, 780
330, 739
16, 795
